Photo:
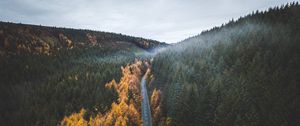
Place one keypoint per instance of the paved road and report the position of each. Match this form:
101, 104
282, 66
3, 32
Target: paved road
146, 112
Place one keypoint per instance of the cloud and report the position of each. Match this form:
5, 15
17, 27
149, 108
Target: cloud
163, 20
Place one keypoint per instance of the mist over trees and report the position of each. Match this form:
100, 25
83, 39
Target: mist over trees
245, 72
47, 73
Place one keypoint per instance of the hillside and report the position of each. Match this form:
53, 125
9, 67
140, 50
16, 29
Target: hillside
18, 38
241, 73
245, 72
48, 73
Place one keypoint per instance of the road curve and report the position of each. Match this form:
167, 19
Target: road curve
146, 112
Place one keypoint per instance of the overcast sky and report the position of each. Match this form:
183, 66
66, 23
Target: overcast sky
164, 20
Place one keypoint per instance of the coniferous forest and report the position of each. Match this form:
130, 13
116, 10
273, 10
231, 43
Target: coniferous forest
245, 72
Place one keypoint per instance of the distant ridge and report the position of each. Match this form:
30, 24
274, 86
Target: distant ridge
274, 15
45, 39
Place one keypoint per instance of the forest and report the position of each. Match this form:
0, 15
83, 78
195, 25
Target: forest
242, 73
48, 73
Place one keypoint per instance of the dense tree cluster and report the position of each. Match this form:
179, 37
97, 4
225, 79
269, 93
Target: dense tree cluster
243, 73
126, 110
42, 89
48, 72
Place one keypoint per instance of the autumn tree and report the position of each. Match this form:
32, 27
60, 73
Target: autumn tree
125, 111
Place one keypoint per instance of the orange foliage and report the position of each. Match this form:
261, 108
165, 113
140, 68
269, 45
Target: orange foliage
155, 106
157, 118
66, 41
92, 38
75, 119
126, 111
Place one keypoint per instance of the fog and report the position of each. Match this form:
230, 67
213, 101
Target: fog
163, 20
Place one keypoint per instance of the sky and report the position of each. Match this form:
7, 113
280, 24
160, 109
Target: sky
163, 20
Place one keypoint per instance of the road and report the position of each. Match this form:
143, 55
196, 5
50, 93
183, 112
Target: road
146, 112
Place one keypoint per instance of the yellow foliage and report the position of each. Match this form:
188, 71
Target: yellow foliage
155, 107
155, 98
168, 121
96, 121
125, 111
75, 119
